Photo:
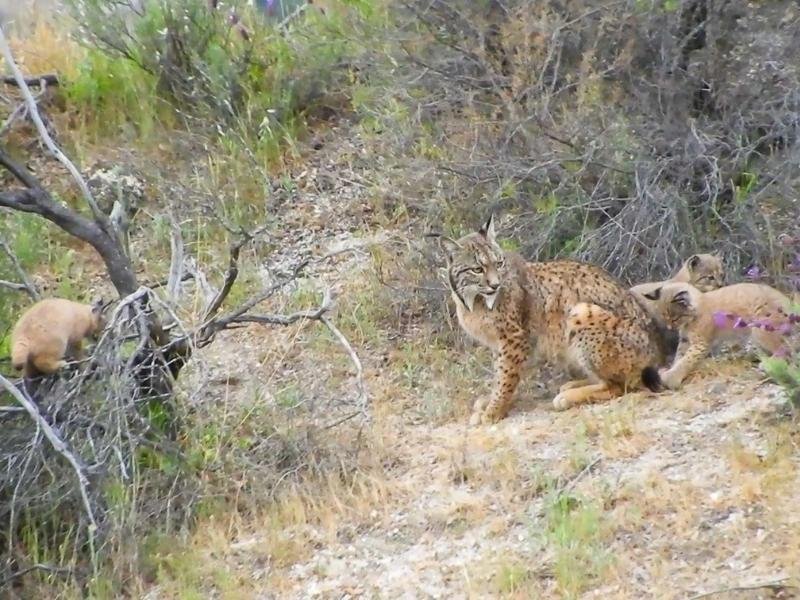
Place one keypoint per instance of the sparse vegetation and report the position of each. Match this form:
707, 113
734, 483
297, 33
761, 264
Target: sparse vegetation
627, 134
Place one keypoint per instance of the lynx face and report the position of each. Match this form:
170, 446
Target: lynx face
476, 266
705, 272
676, 302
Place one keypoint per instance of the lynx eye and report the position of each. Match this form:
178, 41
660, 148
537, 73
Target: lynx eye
476, 270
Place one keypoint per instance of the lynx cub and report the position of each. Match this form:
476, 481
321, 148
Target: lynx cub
703, 271
51, 330
503, 301
702, 320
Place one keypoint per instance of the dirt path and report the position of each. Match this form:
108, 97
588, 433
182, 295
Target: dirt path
639, 498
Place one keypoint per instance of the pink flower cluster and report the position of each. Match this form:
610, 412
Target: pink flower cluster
785, 325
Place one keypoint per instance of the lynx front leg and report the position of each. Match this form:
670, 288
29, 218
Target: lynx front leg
595, 392
510, 360
689, 354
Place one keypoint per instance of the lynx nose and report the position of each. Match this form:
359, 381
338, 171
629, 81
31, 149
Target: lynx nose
493, 285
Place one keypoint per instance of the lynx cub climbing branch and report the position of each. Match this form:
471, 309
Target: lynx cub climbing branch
51, 331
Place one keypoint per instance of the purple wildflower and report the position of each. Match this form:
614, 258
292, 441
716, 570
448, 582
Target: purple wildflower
785, 328
755, 273
794, 264
740, 323
722, 319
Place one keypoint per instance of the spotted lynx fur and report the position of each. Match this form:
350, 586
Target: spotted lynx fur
615, 355
506, 303
692, 313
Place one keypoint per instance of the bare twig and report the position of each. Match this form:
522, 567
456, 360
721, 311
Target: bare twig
571, 483
40, 80
362, 390
33, 111
17, 287
61, 447
26, 285
34, 567
774, 585
230, 278
175, 263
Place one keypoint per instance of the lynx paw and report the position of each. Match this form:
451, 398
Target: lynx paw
476, 419
486, 416
562, 401
669, 379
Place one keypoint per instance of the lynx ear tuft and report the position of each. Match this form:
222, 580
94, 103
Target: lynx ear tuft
487, 230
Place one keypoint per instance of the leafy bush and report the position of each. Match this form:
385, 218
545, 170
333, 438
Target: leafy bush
630, 135
221, 68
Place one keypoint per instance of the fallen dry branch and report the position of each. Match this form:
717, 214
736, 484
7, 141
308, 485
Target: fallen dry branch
61, 447
31, 568
40, 80
776, 585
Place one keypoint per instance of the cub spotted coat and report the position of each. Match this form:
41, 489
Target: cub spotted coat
50, 331
703, 319
503, 302
614, 353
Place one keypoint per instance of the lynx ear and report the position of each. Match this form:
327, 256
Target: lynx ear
654, 295
98, 306
693, 261
487, 230
682, 299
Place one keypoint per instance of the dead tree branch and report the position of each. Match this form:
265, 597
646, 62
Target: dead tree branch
33, 111
59, 446
35, 199
40, 80
176, 262
363, 398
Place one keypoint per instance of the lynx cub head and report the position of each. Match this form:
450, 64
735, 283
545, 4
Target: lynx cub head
475, 266
677, 303
703, 271
98, 317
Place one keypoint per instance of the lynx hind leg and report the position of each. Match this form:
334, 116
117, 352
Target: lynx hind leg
76, 351
44, 365
769, 341
595, 392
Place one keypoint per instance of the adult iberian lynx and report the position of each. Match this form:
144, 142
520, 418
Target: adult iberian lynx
507, 304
